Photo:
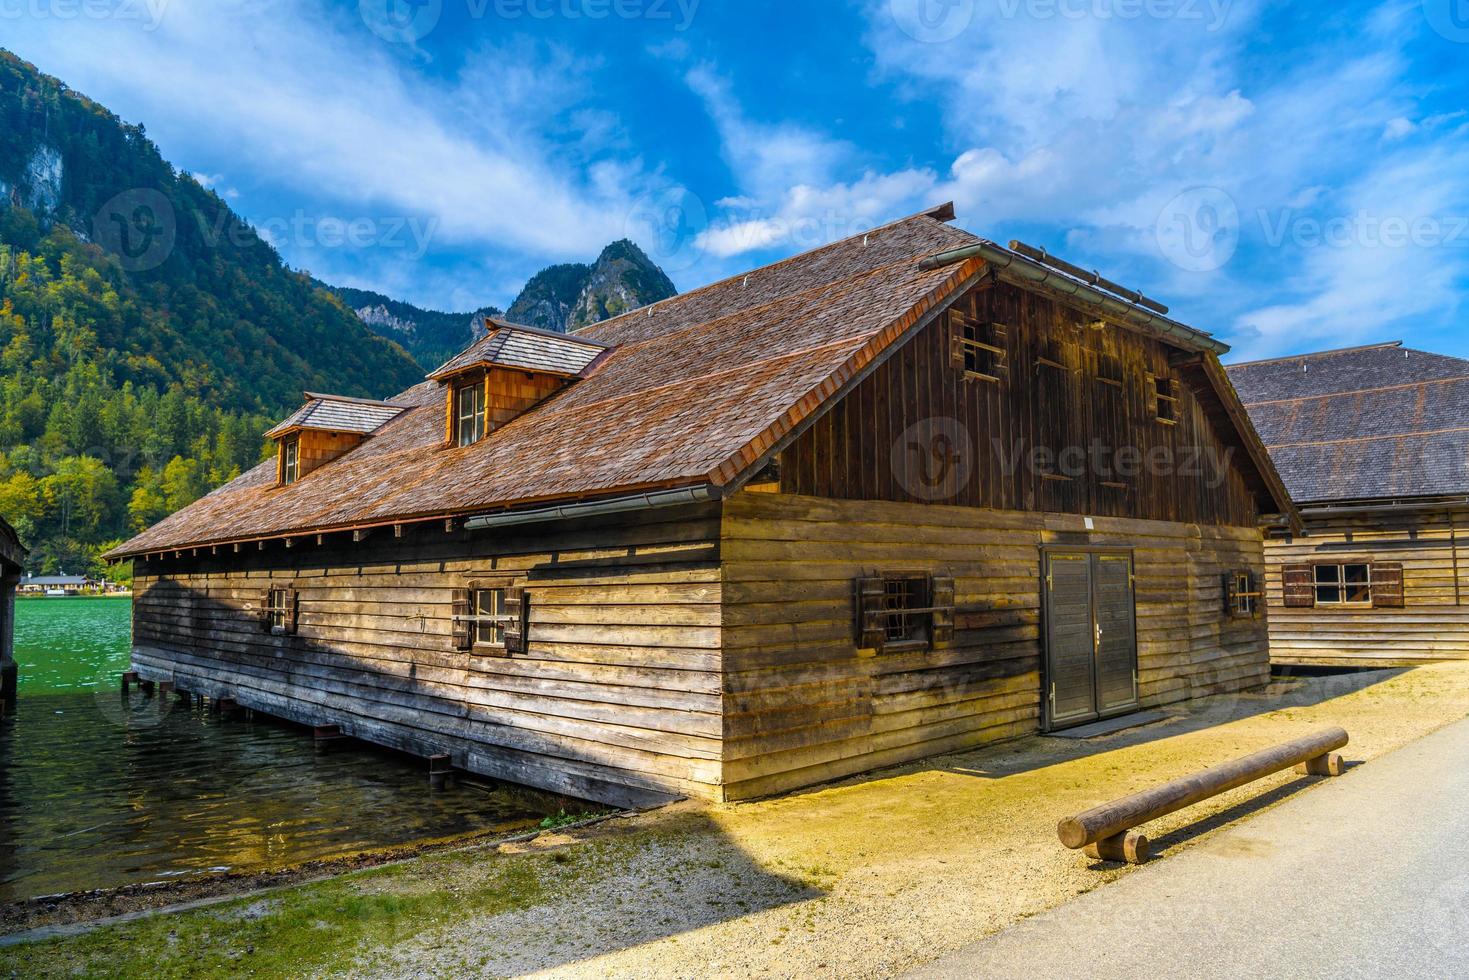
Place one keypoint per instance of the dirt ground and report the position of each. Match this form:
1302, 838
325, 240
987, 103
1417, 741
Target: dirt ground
863, 878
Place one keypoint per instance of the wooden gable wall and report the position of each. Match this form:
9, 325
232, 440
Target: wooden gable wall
891, 437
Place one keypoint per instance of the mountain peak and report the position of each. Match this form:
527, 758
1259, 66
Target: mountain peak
571, 296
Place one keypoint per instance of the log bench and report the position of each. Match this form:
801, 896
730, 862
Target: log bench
1107, 832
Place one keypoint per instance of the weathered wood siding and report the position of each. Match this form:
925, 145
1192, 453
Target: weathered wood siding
1433, 624
801, 704
1069, 427
617, 699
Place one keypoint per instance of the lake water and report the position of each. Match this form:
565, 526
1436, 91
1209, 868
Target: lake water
98, 790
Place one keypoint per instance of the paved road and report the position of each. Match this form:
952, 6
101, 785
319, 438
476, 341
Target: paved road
1367, 876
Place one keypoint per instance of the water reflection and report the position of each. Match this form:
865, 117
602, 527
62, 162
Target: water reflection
98, 791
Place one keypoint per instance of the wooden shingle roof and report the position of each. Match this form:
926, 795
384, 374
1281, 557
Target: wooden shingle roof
338, 413
1365, 423
693, 391
512, 345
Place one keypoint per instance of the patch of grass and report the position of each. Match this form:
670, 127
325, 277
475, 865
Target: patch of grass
563, 819
304, 932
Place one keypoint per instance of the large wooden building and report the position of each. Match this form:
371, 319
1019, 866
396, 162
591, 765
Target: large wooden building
907, 493
1373, 443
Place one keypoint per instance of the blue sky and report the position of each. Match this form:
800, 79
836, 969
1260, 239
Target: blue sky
1289, 176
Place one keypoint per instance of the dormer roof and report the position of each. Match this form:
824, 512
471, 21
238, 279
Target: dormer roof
515, 346
338, 413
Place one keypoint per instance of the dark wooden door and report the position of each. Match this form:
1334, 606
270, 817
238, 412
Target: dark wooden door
1091, 637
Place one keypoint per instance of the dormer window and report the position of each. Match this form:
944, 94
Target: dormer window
326, 427
469, 414
505, 374
290, 461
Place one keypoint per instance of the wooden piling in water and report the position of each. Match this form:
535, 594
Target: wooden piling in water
440, 771
129, 678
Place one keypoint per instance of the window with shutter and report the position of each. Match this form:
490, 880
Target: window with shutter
461, 628
1241, 594
1166, 394
943, 610
263, 611
870, 618
292, 611
977, 348
900, 610
517, 620
1298, 587
1387, 585
279, 615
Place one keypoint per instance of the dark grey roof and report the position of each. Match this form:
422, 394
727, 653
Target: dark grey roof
54, 580
338, 413
516, 346
1365, 423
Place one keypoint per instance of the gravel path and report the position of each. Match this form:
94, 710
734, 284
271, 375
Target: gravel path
886, 873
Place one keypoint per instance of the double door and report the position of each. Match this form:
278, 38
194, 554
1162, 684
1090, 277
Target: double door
1091, 636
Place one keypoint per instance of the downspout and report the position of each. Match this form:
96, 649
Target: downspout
1017, 265
593, 508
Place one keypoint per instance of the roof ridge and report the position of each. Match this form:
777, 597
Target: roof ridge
1359, 391
928, 213
1325, 353
312, 396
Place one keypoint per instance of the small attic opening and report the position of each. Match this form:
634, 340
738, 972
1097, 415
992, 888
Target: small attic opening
323, 429
506, 373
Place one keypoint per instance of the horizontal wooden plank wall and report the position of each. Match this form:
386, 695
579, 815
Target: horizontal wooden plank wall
917, 431
801, 705
618, 698
1434, 621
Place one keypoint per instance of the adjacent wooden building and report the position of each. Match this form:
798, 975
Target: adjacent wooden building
1373, 443
12, 560
907, 493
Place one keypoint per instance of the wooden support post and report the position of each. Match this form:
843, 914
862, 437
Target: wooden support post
1112, 819
183, 696
440, 771
146, 686
1132, 847
129, 678
1330, 764
225, 706
165, 687
327, 737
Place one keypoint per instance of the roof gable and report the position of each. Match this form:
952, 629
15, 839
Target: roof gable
338, 413
511, 345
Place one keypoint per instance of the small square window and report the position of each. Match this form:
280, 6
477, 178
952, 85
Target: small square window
982, 347
1246, 595
1338, 585
469, 414
906, 608
489, 612
1166, 400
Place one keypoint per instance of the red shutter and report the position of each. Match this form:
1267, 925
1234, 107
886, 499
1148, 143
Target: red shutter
871, 614
1298, 586
293, 610
264, 611
1387, 585
462, 629
517, 611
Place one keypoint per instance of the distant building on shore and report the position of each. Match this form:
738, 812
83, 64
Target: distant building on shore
57, 585
12, 557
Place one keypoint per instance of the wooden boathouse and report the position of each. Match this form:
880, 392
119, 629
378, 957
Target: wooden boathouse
907, 493
1373, 443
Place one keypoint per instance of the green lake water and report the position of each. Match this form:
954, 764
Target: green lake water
99, 790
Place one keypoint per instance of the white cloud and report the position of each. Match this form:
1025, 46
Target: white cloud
321, 106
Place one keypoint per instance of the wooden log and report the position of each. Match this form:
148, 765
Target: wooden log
1132, 847
1331, 764
1111, 819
